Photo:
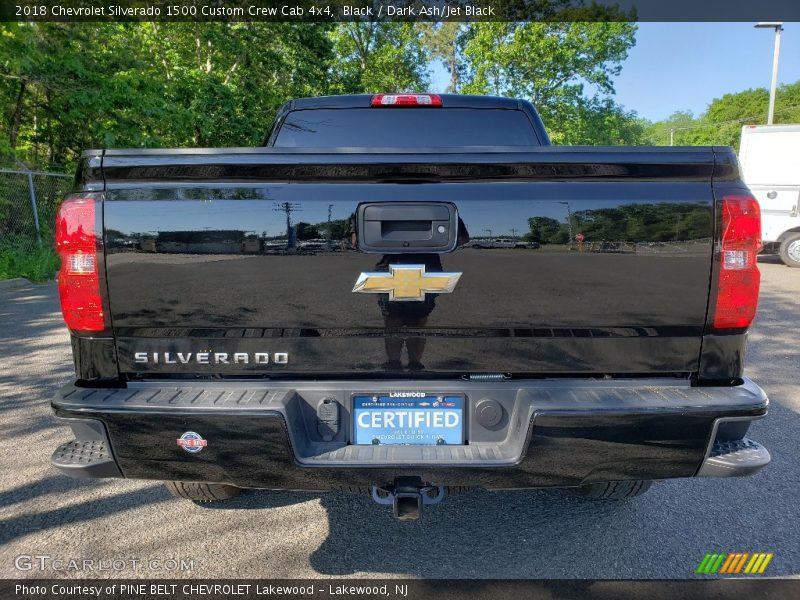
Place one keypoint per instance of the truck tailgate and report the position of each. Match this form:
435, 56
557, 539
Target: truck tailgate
571, 261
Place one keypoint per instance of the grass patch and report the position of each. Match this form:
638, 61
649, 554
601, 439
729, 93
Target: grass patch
37, 263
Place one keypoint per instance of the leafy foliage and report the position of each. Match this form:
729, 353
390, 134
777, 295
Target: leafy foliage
379, 57
565, 69
38, 264
663, 222
599, 121
721, 124
306, 231
444, 43
546, 230
66, 87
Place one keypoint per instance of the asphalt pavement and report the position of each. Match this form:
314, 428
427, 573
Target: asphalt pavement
53, 526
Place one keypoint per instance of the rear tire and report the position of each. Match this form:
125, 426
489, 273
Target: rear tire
613, 490
790, 250
201, 492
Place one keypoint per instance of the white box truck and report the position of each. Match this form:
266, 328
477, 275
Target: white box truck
770, 160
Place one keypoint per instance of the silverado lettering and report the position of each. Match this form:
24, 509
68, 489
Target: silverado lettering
204, 358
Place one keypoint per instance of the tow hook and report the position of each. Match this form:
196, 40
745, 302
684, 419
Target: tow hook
408, 496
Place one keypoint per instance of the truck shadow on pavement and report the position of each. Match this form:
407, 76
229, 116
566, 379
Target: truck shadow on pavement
78, 513
554, 534
480, 533
51, 484
30, 321
475, 534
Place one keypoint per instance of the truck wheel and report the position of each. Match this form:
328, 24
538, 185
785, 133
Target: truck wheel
613, 490
790, 250
201, 492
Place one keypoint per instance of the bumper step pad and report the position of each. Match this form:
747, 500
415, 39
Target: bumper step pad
85, 459
734, 458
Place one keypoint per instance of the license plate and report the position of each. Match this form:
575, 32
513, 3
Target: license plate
388, 419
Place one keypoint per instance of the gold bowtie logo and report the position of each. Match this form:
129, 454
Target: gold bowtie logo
406, 283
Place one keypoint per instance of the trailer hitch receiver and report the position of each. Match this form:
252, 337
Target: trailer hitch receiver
408, 496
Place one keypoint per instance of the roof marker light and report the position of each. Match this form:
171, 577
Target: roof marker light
433, 100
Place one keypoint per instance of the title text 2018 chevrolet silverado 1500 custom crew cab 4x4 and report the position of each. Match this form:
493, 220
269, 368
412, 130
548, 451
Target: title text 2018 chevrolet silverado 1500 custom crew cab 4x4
315, 314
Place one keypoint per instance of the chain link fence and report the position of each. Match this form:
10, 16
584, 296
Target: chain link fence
28, 204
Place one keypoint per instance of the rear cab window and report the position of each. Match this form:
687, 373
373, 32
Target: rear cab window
405, 127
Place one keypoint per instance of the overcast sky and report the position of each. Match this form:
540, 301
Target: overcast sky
683, 66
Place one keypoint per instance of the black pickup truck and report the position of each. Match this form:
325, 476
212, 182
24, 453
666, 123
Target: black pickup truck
321, 313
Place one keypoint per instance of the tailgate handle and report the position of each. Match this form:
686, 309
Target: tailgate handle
398, 227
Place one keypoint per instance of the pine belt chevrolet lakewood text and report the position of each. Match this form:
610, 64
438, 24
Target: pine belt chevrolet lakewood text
409, 295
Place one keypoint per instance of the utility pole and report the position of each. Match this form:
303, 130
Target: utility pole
671, 136
569, 223
330, 208
288, 208
778, 27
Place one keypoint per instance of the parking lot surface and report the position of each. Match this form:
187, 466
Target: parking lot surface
135, 529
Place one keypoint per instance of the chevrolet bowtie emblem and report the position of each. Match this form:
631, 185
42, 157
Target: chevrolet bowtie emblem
406, 283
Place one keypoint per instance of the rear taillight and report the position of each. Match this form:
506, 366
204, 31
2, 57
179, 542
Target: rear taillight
79, 278
739, 279
407, 100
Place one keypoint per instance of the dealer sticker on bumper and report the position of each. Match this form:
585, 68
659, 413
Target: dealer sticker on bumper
427, 419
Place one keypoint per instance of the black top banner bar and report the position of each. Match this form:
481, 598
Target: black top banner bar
399, 10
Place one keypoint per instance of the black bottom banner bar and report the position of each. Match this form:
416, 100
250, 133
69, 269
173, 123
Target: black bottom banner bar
396, 589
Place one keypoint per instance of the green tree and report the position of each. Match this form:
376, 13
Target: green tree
600, 122
663, 222
676, 126
336, 229
306, 231
546, 230
721, 124
553, 65
228, 79
787, 103
376, 57
65, 87
443, 42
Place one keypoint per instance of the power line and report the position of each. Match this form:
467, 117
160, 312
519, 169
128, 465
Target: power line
716, 123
